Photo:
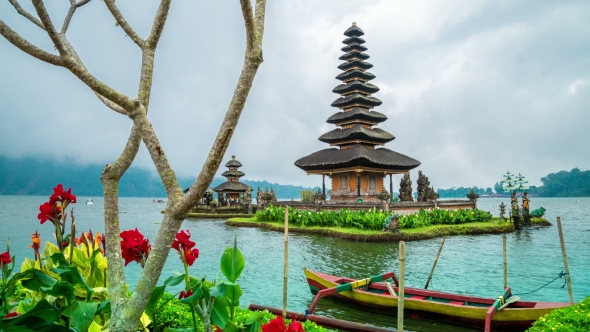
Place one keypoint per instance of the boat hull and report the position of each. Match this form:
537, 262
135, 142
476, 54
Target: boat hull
438, 306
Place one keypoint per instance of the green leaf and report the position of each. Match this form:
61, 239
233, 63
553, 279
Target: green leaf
233, 294
169, 329
35, 279
28, 264
48, 251
197, 293
104, 307
174, 280
72, 275
81, 314
60, 288
220, 312
80, 259
154, 299
58, 259
41, 315
94, 327
232, 262
231, 327
217, 290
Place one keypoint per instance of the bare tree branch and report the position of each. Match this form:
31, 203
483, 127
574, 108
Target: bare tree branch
32, 50
71, 11
46, 20
248, 21
123, 23
110, 104
158, 25
26, 14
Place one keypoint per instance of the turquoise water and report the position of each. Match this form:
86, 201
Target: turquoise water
468, 264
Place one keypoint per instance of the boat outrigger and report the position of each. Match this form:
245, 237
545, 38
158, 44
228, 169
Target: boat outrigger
505, 313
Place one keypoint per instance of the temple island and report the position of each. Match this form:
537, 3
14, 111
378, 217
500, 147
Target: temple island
357, 163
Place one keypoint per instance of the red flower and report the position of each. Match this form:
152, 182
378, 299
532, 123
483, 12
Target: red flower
49, 211
5, 258
278, 325
191, 256
11, 314
217, 329
134, 247
184, 294
59, 194
182, 241
183, 244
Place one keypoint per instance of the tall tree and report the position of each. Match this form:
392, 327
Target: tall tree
127, 311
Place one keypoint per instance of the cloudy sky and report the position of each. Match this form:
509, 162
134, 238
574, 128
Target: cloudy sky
472, 89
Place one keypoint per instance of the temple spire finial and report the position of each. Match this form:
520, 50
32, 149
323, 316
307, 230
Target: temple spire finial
354, 23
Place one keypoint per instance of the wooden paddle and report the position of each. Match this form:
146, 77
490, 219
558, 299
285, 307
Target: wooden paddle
510, 300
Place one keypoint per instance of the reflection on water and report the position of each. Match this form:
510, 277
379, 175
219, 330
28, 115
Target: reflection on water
467, 265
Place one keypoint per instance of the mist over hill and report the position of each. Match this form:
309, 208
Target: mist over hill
31, 176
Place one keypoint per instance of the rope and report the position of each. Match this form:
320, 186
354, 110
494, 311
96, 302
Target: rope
305, 315
561, 275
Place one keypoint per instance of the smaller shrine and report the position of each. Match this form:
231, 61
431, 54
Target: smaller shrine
233, 191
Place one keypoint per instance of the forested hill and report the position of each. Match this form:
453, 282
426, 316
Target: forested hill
575, 183
31, 176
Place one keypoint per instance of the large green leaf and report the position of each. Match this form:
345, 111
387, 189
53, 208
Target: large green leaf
60, 288
34, 279
80, 258
218, 290
197, 294
49, 250
72, 275
220, 312
81, 314
154, 299
233, 294
174, 280
94, 327
232, 262
43, 314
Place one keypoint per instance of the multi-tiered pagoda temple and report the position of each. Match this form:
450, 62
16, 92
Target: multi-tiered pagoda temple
355, 164
233, 188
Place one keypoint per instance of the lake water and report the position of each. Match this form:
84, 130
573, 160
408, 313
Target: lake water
468, 264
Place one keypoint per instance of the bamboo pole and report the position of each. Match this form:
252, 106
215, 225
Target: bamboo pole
286, 262
400, 290
435, 261
567, 268
505, 261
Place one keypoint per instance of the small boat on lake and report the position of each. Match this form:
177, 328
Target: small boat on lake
502, 314
89, 201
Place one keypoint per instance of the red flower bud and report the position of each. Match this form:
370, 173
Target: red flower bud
184, 294
11, 314
5, 258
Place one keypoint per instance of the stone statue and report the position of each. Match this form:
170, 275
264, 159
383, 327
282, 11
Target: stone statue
383, 196
258, 194
423, 185
318, 197
248, 196
473, 196
502, 211
405, 189
526, 208
391, 223
514, 205
431, 194
273, 196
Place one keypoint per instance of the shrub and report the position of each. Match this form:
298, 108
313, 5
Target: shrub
371, 219
569, 319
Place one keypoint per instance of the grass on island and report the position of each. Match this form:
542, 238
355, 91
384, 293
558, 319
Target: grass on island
495, 226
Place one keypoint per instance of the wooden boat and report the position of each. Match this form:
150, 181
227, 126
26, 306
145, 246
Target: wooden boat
502, 314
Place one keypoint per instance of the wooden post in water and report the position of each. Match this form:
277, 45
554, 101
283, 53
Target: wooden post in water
505, 262
435, 261
567, 268
400, 290
286, 260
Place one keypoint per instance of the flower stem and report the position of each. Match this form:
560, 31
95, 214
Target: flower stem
188, 288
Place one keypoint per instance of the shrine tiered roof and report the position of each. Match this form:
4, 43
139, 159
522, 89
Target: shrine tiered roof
357, 157
357, 132
235, 174
356, 139
357, 113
